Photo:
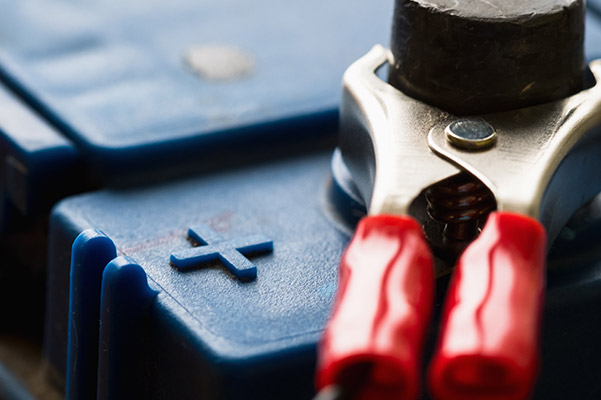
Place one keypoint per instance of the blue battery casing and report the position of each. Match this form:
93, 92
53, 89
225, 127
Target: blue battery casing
106, 99
116, 82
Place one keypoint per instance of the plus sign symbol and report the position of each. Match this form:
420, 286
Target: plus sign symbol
231, 253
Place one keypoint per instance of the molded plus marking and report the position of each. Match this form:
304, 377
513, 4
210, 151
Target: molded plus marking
230, 252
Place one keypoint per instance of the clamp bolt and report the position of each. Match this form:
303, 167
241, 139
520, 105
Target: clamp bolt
471, 134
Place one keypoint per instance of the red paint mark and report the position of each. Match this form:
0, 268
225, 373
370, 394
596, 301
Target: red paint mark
222, 222
153, 242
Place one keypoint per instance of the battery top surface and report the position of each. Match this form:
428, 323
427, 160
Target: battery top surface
121, 76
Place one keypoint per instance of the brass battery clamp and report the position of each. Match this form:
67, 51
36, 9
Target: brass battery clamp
482, 143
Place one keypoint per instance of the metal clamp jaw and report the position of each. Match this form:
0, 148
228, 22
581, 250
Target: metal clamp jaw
537, 165
544, 162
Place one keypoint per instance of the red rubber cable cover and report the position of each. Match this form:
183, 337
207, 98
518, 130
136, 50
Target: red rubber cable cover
373, 342
488, 344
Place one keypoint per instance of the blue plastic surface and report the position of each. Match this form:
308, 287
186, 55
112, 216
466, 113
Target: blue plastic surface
92, 251
101, 92
592, 37
113, 76
209, 246
38, 165
125, 311
594, 7
241, 331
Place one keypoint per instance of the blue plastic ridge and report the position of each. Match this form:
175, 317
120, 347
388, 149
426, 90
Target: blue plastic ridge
91, 252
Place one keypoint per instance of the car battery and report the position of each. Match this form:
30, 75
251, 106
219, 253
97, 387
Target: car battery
160, 102
202, 209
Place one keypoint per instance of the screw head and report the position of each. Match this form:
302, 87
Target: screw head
471, 134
